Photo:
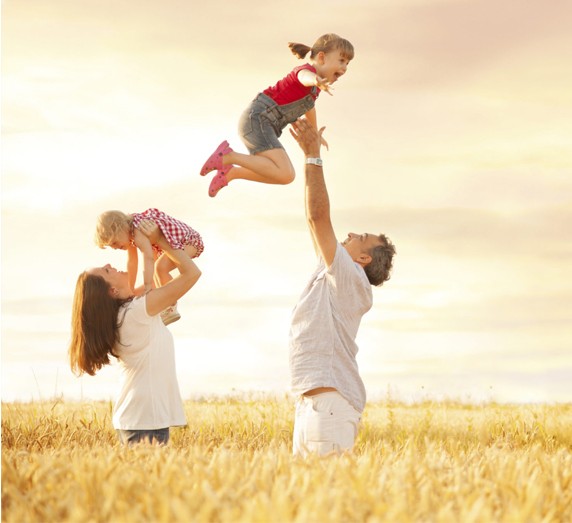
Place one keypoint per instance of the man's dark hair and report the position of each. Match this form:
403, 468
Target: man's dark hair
379, 269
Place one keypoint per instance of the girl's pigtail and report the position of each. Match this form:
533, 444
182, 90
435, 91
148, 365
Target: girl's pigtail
300, 50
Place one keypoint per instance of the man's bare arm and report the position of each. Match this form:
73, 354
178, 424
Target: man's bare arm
316, 193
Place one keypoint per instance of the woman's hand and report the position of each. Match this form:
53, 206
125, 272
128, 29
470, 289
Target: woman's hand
150, 229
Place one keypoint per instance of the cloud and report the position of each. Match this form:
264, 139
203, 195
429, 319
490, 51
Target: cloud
449, 43
449, 309
450, 133
540, 233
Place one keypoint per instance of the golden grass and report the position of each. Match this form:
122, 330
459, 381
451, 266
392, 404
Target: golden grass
430, 462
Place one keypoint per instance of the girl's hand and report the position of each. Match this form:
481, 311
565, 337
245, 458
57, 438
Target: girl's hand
323, 140
324, 85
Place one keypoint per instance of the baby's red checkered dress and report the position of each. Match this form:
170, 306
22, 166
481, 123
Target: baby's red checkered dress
177, 233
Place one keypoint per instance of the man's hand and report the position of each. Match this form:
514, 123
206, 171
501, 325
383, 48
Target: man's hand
307, 137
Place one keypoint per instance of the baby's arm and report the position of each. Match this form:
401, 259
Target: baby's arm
146, 248
132, 265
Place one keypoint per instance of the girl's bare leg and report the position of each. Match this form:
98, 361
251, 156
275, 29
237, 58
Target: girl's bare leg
273, 166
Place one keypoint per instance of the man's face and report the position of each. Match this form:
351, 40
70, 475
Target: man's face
360, 245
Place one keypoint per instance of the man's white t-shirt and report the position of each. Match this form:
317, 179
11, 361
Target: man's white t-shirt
324, 327
149, 397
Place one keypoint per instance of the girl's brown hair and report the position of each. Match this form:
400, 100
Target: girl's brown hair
326, 43
95, 326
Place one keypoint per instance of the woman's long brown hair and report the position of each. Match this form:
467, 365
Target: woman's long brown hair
95, 325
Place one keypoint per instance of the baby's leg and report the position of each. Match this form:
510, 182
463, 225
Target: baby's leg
163, 268
190, 251
273, 166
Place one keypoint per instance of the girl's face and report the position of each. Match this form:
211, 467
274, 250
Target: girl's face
121, 240
331, 65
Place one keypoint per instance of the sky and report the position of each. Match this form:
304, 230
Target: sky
451, 133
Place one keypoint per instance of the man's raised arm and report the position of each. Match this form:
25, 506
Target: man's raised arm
316, 193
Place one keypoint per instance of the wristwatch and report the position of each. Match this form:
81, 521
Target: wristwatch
314, 161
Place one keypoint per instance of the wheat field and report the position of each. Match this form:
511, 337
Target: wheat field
428, 462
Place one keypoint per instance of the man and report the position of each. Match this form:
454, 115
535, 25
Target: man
326, 319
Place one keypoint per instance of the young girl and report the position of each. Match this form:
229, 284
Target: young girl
264, 119
121, 231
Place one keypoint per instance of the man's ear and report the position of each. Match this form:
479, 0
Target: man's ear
364, 259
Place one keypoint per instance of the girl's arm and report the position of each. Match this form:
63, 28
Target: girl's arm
313, 121
132, 265
311, 117
162, 297
144, 245
310, 79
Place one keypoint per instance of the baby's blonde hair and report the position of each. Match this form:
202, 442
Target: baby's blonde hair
109, 225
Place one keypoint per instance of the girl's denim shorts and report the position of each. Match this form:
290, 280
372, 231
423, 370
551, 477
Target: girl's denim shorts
262, 122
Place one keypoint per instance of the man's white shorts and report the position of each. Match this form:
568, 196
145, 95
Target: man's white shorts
324, 423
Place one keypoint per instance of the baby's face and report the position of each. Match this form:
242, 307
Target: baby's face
121, 241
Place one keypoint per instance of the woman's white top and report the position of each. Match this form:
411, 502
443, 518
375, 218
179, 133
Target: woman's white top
149, 396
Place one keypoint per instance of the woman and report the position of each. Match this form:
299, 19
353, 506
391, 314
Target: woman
108, 318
